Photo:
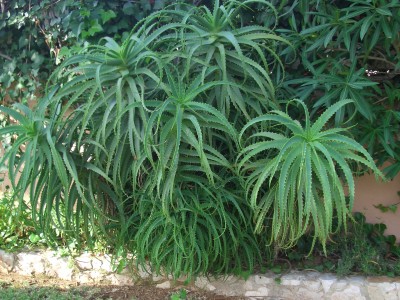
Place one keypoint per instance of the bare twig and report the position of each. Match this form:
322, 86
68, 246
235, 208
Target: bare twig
286, 261
5, 56
378, 58
51, 4
381, 100
363, 56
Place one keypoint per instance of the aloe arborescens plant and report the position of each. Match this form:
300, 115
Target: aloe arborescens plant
150, 155
301, 178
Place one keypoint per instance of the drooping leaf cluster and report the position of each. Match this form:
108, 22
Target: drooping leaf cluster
348, 49
183, 145
338, 50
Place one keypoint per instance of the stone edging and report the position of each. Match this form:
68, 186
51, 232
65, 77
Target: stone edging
87, 268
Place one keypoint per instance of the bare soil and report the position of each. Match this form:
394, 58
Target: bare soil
139, 291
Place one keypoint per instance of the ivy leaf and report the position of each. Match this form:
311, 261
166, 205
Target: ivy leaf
37, 59
34, 238
10, 66
84, 12
94, 28
23, 41
35, 72
392, 208
55, 21
381, 208
107, 15
129, 9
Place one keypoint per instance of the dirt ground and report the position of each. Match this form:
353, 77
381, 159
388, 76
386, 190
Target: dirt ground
140, 291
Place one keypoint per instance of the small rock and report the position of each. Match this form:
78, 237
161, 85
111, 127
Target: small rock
284, 292
339, 285
107, 265
97, 263
261, 292
352, 292
306, 293
327, 280
84, 262
84, 278
385, 286
230, 286
263, 280
249, 285
143, 271
97, 275
290, 282
158, 278
7, 261
383, 290
119, 279
293, 279
65, 273
58, 266
164, 285
312, 285
203, 283
29, 263
357, 280
210, 287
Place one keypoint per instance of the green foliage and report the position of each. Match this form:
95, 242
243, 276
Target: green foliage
15, 224
18, 230
200, 234
174, 144
383, 208
182, 295
35, 293
36, 35
304, 174
347, 49
362, 249
145, 152
244, 55
381, 134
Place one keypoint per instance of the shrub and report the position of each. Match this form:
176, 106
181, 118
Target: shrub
142, 141
37, 35
362, 249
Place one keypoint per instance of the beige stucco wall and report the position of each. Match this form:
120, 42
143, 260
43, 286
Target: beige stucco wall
370, 192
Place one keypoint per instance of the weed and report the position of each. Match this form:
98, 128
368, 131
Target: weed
362, 249
179, 296
16, 226
35, 293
